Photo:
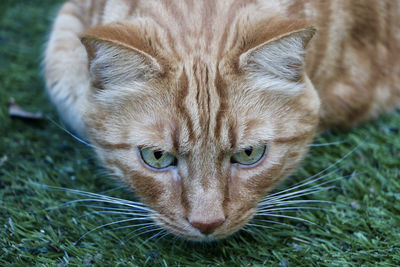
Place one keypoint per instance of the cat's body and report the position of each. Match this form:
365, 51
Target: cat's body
204, 80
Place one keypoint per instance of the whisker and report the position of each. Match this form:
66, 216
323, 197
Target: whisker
298, 185
289, 217
98, 197
71, 134
293, 209
107, 224
328, 144
111, 189
316, 177
142, 233
274, 222
118, 200
154, 236
107, 208
147, 225
308, 191
152, 229
103, 201
262, 226
248, 230
294, 202
147, 240
85, 193
280, 202
334, 164
114, 212
304, 193
316, 188
161, 237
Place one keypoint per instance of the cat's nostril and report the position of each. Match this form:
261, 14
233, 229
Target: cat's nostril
207, 227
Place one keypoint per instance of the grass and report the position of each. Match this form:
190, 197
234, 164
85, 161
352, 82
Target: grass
363, 229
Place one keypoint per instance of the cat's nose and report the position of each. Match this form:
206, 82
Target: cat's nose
207, 227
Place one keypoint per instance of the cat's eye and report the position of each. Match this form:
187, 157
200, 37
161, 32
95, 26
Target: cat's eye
157, 159
250, 155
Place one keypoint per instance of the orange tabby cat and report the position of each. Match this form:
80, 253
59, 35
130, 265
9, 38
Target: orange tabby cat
201, 107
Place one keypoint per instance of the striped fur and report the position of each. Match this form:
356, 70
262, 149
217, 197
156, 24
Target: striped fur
204, 79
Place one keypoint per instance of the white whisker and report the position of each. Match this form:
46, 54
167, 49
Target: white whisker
292, 209
104, 201
313, 178
108, 208
115, 212
111, 189
315, 188
145, 225
262, 226
107, 224
328, 144
305, 193
289, 217
308, 191
334, 164
71, 134
95, 195
295, 202
275, 222
147, 240
161, 237
142, 233
248, 230
303, 183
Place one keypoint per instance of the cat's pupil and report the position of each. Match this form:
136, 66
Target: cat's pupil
158, 154
248, 151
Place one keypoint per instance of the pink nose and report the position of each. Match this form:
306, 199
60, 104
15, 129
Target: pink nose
207, 227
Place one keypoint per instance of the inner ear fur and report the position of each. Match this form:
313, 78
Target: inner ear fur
278, 50
117, 52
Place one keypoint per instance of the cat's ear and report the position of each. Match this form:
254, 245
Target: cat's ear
118, 55
279, 59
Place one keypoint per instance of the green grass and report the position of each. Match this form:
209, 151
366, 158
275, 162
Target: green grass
363, 229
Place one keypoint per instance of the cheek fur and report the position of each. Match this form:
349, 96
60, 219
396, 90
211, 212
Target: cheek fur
148, 189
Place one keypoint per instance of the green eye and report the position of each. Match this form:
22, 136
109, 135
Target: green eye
250, 155
157, 159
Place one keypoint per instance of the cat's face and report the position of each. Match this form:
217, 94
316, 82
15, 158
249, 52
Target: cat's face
201, 141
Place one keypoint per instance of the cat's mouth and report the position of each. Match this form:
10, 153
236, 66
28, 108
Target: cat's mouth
182, 228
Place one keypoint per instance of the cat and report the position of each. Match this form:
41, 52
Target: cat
202, 107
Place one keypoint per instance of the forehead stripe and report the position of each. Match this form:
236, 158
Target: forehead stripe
220, 86
183, 90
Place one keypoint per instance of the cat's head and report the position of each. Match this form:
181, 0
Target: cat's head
200, 138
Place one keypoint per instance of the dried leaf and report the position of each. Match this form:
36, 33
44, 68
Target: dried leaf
15, 111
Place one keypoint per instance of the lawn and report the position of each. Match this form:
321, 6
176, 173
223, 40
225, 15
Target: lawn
360, 227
